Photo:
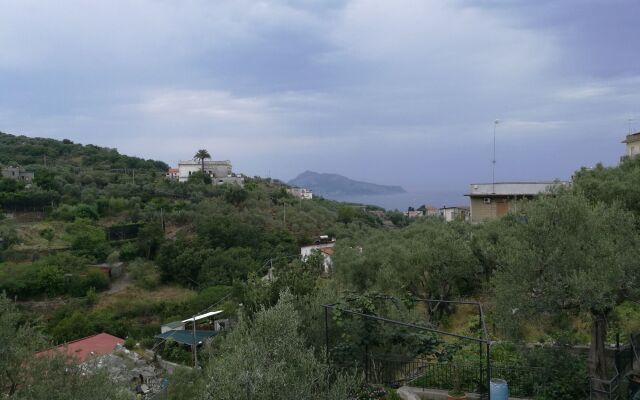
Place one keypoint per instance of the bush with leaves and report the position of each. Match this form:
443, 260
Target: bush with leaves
267, 358
54, 377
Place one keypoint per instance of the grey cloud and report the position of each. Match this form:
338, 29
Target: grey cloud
284, 86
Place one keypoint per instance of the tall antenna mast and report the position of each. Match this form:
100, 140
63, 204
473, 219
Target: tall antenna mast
630, 120
493, 172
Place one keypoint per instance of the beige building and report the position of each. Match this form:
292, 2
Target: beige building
493, 200
633, 144
17, 173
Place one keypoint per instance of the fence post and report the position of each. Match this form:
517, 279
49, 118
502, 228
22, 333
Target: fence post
366, 363
617, 354
480, 364
326, 332
489, 370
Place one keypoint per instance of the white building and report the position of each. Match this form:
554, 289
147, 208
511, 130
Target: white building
301, 193
173, 174
325, 247
454, 213
217, 169
414, 214
633, 144
220, 172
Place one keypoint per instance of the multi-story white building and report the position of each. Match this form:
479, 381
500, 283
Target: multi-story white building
220, 172
215, 169
300, 193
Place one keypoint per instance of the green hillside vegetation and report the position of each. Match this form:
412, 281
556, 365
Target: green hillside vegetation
550, 273
214, 236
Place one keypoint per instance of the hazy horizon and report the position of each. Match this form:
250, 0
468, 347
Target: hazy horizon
397, 93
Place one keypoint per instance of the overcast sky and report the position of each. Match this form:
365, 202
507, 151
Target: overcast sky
398, 91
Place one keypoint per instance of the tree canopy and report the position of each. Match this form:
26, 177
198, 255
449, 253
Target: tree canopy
571, 255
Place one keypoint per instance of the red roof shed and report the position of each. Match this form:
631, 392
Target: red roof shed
85, 348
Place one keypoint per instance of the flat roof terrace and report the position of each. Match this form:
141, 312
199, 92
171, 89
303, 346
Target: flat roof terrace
512, 188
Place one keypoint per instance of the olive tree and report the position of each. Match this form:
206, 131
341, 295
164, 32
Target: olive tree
268, 359
569, 255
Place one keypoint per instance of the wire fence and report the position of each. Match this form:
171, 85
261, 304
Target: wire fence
470, 377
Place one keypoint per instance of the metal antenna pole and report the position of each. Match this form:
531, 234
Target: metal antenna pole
493, 171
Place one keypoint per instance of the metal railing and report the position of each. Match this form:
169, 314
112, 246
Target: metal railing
605, 389
470, 377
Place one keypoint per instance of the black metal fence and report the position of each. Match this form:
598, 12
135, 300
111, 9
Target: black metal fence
617, 388
470, 377
605, 389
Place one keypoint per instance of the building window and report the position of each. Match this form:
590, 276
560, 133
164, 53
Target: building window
487, 200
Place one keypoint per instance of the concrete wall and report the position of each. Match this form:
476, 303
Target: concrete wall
481, 211
498, 207
17, 173
633, 149
212, 168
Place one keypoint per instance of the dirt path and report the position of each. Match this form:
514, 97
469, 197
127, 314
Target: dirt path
120, 284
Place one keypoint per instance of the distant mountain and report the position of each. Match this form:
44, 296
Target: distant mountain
337, 185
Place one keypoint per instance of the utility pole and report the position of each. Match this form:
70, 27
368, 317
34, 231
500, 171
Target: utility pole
195, 345
493, 171
162, 219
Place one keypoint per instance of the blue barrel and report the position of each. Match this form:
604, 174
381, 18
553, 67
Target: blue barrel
499, 389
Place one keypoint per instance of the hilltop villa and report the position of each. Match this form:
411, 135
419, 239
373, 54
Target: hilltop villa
219, 171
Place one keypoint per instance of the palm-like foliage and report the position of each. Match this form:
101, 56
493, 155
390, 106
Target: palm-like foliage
201, 155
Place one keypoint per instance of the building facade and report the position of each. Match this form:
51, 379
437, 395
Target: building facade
493, 200
215, 169
220, 172
325, 246
17, 173
300, 193
632, 143
173, 174
414, 214
454, 213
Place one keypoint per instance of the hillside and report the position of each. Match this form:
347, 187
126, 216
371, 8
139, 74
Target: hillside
201, 246
338, 185
37, 152
189, 236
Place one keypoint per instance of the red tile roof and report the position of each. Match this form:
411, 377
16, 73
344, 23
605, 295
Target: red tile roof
82, 349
